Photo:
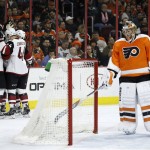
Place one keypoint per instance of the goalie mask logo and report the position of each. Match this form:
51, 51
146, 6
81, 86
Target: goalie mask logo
130, 51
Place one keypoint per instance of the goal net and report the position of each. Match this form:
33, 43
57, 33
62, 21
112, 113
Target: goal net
55, 121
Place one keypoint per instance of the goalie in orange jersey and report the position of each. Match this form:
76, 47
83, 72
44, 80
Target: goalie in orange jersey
131, 58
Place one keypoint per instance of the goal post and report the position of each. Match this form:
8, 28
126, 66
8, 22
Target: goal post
68, 104
85, 62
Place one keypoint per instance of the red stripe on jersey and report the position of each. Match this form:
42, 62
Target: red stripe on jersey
27, 56
11, 96
23, 96
6, 52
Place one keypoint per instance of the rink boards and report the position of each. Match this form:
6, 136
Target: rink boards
38, 77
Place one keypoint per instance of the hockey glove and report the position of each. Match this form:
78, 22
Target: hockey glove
9, 24
11, 46
30, 61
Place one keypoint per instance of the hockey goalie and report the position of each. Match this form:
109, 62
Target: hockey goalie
131, 57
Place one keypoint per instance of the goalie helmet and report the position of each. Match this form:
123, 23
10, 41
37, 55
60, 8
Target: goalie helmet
129, 29
21, 34
10, 32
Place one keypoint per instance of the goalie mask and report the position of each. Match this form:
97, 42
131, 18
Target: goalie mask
21, 34
129, 30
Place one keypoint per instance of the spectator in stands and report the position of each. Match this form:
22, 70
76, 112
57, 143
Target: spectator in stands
95, 50
138, 19
15, 15
61, 37
63, 49
47, 58
48, 25
144, 29
47, 35
26, 13
78, 45
37, 52
36, 43
20, 25
89, 53
37, 31
92, 10
62, 27
72, 53
101, 44
70, 25
46, 46
51, 5
103, 18
81, 36
126, 13
111, 5
37, 18
12, 3
106, 54
52, 16
96, 36
9, 13
139, 9
70, 37
144, 5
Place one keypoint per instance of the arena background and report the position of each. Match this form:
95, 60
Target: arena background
83, 12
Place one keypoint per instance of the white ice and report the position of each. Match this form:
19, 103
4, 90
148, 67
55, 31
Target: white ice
108, 138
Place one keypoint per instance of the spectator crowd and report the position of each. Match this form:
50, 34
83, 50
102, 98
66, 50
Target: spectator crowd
71, 35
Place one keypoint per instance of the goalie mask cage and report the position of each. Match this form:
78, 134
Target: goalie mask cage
64, 86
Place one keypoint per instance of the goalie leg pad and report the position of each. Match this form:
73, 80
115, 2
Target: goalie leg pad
127, 108
143, 90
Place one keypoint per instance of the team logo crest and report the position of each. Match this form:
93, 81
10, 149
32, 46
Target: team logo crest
130, 51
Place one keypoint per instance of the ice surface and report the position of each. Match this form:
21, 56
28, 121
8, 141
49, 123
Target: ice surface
108, 138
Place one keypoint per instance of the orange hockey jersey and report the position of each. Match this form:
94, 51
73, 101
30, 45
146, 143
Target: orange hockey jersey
131, 59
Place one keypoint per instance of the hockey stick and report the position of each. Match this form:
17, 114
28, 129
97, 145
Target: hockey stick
65, 111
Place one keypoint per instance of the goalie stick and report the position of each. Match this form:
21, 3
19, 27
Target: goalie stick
74, 105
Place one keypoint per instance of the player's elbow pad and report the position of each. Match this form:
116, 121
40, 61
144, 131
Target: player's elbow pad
5, 57
6, 52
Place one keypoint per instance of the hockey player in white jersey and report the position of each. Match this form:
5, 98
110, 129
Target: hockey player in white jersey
21, 35
2, 77
16, 72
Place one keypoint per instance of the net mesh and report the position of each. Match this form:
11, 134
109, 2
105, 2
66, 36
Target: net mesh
41, 128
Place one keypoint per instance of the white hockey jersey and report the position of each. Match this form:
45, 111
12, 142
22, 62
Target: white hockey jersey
2, 44
16, 62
